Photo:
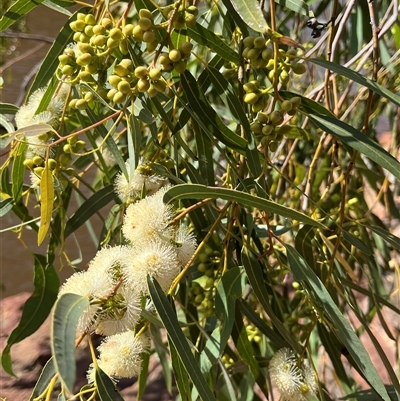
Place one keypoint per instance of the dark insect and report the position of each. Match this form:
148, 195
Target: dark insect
316, 27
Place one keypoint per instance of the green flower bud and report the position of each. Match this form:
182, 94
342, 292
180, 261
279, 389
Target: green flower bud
249, 41
124, 87
114, 80
160, 86
186, 48
145, 24
143, 85
267, 129
38, 171
80, 145
276, 117
67, 70
253, 54
90, 19
150, 47
180, 66
65, 159
99, 30
152, 91
263, 118
77, 26
128, 29
28, 163
98, 40
149, 36
286, 105
273, 146
123, 46
119, 97
296, 100
81, 17
259, 42
67, 148
138, 33
267, 54
111, 93
256, 127
250, 98
112, 43
38, 160
193, 10
155, 74
140, 72
52, 164
190, 20
107, 23
250, 87
81, 104
64, 59
85, 76
175, 55
144, 13
298, 68
88, 31
84, 59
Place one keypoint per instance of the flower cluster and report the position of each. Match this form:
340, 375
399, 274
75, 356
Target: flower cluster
116, 281
293, 382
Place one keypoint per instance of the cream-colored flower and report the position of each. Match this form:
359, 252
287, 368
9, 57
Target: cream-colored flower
120, 355
186, 245
294, 382
120, 312
148, 220
142, 178
95, 287
157, 259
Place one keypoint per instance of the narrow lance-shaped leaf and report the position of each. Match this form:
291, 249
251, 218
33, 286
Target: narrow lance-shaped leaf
358, 141
171, 324
251, 14
197, 191
322, 299
17, 10
67, 311
47, 200
106, 387
356, 77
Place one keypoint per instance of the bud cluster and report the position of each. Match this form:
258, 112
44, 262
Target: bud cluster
176, 58
259, 55
267, 127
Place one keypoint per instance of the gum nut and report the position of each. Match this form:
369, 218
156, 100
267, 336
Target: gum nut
286, 105
263, 118
144, 13
249, 41
259, 42
115, 33
155, 74
250, 98
143, 85
145, 24
90, 19
140, 72
149, 36
174, 55
127, 30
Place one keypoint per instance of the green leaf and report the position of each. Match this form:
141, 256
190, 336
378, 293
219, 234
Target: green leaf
178, 339
356, 77
321, 298
106, 387
36, 309
229, 288
358, 141
353, 240
298, 6
196, 191
48, 373
255, 275
307, 105
67, 311
18, 170
387, 236
5, 206
46, 202
8, 108
89, 208
182, 378
49, 65
303, 244
251, 14
243, 344
207, 115
60, 9
208, 38
17, 10
144, 371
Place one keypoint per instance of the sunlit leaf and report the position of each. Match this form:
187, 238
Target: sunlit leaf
17, 10
66, 314
358, 141
179, 340
321, 298
106, 387
196, 191
46, 205
251, 14
356, 77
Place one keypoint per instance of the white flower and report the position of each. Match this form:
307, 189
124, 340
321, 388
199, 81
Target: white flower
111, 261
147, 220
96, 287
141, 178
186, 245
286, 376
120, 354
157, 259
121, 312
